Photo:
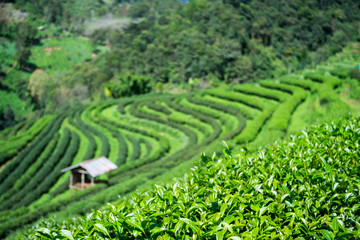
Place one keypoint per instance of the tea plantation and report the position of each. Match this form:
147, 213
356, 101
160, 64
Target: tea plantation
307, 186
304, 188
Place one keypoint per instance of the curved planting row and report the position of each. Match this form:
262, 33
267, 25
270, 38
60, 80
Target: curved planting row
17, 140
30, 172
13, 171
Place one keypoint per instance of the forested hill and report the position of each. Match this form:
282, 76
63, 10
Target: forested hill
141, 46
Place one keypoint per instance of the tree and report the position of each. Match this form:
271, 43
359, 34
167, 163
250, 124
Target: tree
129, 85
234, 3
38, 86
25, 38
25, 35
22, 56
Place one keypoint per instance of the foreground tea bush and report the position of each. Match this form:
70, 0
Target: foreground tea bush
304, 188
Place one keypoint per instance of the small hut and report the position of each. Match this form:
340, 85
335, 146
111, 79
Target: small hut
83, 174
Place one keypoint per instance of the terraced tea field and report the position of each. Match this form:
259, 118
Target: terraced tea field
147, 137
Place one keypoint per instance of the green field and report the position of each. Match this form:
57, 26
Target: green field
154, 138
55, 56
59, 54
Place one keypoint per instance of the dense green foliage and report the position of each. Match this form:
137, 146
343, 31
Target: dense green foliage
127, 86
155, 136
153, 45
232, 42
305, 187
13, 144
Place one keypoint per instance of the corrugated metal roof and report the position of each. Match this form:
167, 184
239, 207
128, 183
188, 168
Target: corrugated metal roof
94, 167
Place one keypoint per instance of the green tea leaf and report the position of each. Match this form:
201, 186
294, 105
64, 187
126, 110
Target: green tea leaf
99, 227
326, 234
191, 224
44, 232
67, 234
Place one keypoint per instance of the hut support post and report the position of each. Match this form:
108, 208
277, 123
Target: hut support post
82, 180
71, 181
92, 181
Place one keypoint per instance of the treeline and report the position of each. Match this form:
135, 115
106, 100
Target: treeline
203, 43
233, 41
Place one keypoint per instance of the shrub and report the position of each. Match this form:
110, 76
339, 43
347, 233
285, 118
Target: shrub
135, 148
129, 85
253, 127
260, 92
282, 114
13, 171
355, 74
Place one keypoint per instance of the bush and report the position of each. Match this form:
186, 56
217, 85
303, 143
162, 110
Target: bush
296, 81
278, 86
135, 148
355, 74
253, 127
12, 172
260, 92
250, 101
281, 117
129, 85
75, 120
49, 172
340, 72
328, 80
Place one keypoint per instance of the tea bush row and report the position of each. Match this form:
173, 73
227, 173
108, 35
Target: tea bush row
223, 108
305, 84
290, 89
282, 115
135, 148
253, 127
81, 127
13, 171
105, 146
246, 111
14, 144
171, 123
147, 144
260, 92
320, 78
26, 215
247, 100
53, 169
30, 172
43, 174
216, 128
159, 108
162, 151
228, 123
187, 121
97, 131
123, 148
17, 141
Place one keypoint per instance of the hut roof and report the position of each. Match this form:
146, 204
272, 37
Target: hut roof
94, 167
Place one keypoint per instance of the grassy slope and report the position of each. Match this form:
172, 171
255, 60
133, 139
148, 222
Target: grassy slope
60, 54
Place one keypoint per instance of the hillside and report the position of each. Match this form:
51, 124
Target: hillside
306, 187
59, 54
154, 138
